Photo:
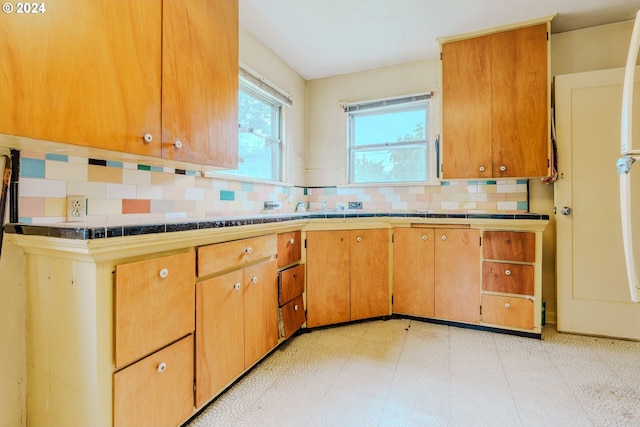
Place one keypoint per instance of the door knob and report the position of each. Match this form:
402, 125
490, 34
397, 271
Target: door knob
566, 210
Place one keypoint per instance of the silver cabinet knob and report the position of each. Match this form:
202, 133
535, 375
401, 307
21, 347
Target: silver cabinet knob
163, 273
507, 305
254, 279
482, 169
443, 237
291, 241
507, 272
177, 144
147, 137
162, 367
503, 168
358, 239
566, 210
249, 250
236, 286
424, 237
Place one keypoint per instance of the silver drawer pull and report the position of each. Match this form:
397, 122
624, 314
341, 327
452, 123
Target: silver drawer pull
507, 272
162, 367
164, 273
507, 305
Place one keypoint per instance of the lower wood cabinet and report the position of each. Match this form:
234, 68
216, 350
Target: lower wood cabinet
157, 390
236, 325
347, 275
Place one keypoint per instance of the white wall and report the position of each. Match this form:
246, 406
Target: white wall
326, 125
268, 65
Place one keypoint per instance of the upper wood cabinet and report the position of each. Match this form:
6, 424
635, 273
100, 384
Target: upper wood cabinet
495, 105
104, 74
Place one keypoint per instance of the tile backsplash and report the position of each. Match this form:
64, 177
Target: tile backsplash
118, 191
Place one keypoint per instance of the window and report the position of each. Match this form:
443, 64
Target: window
259, 129
388, 140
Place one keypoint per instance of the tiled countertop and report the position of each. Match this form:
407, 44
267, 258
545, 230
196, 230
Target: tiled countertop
89, 231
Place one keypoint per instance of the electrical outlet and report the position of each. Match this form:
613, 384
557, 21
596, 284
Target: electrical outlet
76, 208
355, 205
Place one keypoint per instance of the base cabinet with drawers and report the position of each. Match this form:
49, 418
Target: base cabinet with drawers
236, 311
486, 277
291, 282
508, 273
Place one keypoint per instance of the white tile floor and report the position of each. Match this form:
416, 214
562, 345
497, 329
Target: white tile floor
409, 373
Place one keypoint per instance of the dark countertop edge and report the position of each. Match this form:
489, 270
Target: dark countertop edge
88, 232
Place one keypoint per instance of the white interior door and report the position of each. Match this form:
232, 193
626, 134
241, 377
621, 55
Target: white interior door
593, 294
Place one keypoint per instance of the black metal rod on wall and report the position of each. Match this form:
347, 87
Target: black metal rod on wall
13, 187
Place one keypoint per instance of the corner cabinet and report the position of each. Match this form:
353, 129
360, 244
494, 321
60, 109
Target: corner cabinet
155, 78
347, 275
496, 104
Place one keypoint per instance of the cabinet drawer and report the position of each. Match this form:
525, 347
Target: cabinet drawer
154, 305
289, 248
509, 246
507, 311
291, 282
291, 317
157, 390
234, 254
507, 278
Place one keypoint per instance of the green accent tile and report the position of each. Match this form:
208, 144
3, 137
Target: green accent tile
247, 186
190, 173
26, 220
57, 157
523, 206
31, 168
521, 181
305, 191
444, 183
144, 167
154, 169
113, 164
330, 191
227, 195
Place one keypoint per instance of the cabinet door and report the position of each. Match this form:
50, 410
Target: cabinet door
85, 73
219, 334
153, 304
292, 316
520, 105
369, 273
156, 391
260, 310
200, 81
457, 275
466, 108
413, 276
328, 292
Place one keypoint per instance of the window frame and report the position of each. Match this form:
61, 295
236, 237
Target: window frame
391, 105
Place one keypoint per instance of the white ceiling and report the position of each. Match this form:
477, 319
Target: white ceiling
321, 38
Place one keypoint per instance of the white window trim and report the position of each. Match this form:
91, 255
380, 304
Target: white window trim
433, 111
